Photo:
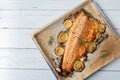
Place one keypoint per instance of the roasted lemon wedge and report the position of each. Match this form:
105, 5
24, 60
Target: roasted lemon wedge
101, 28
62, 37
78, 66
91, 47
67, 23
59, 51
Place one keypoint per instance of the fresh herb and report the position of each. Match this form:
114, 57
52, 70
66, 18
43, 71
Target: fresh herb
80, 42
104, 53
51, 39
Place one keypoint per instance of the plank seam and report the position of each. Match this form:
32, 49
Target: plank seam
50, 69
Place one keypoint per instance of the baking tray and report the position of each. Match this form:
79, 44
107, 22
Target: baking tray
112, 43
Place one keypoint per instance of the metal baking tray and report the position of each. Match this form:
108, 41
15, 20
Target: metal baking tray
112, 43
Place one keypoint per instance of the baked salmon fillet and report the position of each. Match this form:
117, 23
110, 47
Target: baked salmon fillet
83, 29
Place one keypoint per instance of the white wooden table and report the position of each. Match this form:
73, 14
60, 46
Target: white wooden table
19, 57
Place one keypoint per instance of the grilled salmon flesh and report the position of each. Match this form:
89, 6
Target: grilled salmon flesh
84, 29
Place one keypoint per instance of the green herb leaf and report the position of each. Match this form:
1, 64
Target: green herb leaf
80, 42
51, 39
104, 53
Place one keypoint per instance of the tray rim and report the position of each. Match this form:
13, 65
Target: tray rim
105, 18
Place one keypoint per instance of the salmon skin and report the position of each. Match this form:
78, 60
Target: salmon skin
83, 29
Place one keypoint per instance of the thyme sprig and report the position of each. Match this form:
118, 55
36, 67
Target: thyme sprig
50, 41
104, 53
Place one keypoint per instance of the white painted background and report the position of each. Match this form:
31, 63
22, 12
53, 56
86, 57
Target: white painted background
19, 57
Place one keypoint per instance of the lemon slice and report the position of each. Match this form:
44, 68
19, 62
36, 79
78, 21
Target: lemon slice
78, 66
67, 23
101, 28
62, 37
91, 47
59, 51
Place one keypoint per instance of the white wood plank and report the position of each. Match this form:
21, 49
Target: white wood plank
48, 75
26, 19
114, 17
26, 75
105, 75
18, 38
51, 4
22, 59
36, 19
108, 4
32, 59
38, 4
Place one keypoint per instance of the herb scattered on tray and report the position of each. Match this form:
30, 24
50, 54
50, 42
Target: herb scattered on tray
50, 41
104, 53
